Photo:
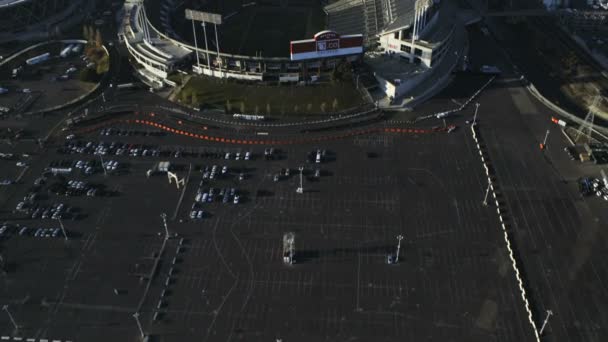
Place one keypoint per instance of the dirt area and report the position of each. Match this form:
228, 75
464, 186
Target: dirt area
578, 80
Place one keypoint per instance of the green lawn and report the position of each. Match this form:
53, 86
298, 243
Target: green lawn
270, 100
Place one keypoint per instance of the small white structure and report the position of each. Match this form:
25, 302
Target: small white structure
171, 175
289, 246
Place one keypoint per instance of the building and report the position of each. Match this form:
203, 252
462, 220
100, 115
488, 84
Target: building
418, 36
154, 55
416, 33
157, 49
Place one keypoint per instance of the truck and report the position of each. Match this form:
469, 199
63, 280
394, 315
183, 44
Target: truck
38, 59
125, 85
66, 51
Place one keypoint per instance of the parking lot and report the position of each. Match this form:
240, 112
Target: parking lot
222, 276
50, 83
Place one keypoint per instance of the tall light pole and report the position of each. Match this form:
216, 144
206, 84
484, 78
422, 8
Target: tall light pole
105, 172
542, 328
475, 116
206, 46
544, 144
164, 217
485, 198
5, 308
300, 189
65, 235
198, 61
217, 45
399, 238
141, 330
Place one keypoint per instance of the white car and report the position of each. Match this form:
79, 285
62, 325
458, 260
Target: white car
237, 156
236, 199
227, 156
247, 155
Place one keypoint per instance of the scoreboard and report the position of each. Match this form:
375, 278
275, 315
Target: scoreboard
326, 44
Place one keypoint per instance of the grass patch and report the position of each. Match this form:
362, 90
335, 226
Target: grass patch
269, 100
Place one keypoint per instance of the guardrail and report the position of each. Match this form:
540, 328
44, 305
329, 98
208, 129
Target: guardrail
599, 130
444, 114
492, 186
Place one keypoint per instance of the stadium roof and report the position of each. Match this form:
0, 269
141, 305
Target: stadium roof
370, 17
404, 15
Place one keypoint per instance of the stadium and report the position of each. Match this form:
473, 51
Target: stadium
264, 28
278, 40
24, 19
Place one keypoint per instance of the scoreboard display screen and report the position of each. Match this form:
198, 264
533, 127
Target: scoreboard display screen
326, 44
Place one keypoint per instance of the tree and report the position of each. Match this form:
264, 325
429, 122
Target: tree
228, 106
257, 110
570, 62
98, 40
85, 32
323, 107
309, 107
267, 108
334, 105
186, 95
103, 64
242, 107
195, 102
296, 108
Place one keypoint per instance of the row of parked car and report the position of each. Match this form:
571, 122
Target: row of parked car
208, 196
55, 211
6, 230
130, 132
72, 146
593, 186
214, 171
286, 172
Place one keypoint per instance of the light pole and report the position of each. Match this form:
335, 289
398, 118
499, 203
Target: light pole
544, 144
399, 238
542, 328
164, 217
300, 189
141, 330
198, 61
475, 116
5, 308
485, 198
206, 46
65, 235
105, 172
